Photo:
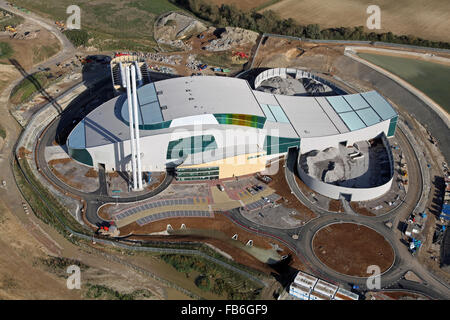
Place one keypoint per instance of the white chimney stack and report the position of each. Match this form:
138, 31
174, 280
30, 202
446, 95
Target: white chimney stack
130, 120
136, 126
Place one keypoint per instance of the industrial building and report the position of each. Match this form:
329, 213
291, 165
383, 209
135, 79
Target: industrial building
219, 127
308, 287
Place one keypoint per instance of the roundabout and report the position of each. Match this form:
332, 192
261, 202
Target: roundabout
351, 248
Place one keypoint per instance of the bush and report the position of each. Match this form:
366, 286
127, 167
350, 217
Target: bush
203, 283
5, 50
77, 37
2, 133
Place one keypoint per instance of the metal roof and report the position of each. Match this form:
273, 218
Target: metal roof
192, 100
187, 96
362, 109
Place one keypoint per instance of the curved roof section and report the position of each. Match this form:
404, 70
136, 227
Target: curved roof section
149, 108
326, 115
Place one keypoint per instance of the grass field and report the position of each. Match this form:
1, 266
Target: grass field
429, 19
126, 24
28, 86
431, 78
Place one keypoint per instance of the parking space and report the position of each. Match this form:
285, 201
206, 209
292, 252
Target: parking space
265, 201
174, 214
157, 204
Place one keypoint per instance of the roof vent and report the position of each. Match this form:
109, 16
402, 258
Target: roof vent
159, 92
163, 107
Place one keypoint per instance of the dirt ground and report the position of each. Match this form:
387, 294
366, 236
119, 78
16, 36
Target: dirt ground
278, 52
31, 51
350, 248
221, 223
335, 206
75, 175
361, 210
289, 200
394, 295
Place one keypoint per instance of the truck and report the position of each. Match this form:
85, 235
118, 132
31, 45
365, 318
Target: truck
10, 29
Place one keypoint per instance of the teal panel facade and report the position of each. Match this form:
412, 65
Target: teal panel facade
81, 155
195, 144
275, 145
392, 127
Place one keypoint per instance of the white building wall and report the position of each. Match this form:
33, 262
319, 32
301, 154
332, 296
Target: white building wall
321, 143
357, 194
236, 141
117, 156
333, 191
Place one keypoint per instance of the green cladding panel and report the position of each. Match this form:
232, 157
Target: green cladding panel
275, 145
155, 126
82, 156
195, 144
392, 126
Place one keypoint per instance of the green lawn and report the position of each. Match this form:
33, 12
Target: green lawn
431, 78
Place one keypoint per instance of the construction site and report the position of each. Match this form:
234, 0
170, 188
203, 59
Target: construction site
362, 165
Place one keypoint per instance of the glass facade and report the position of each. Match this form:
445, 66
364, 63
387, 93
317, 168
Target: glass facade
205, 173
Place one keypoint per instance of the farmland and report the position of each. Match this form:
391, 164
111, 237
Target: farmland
421, 18
431, 78
428, 19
